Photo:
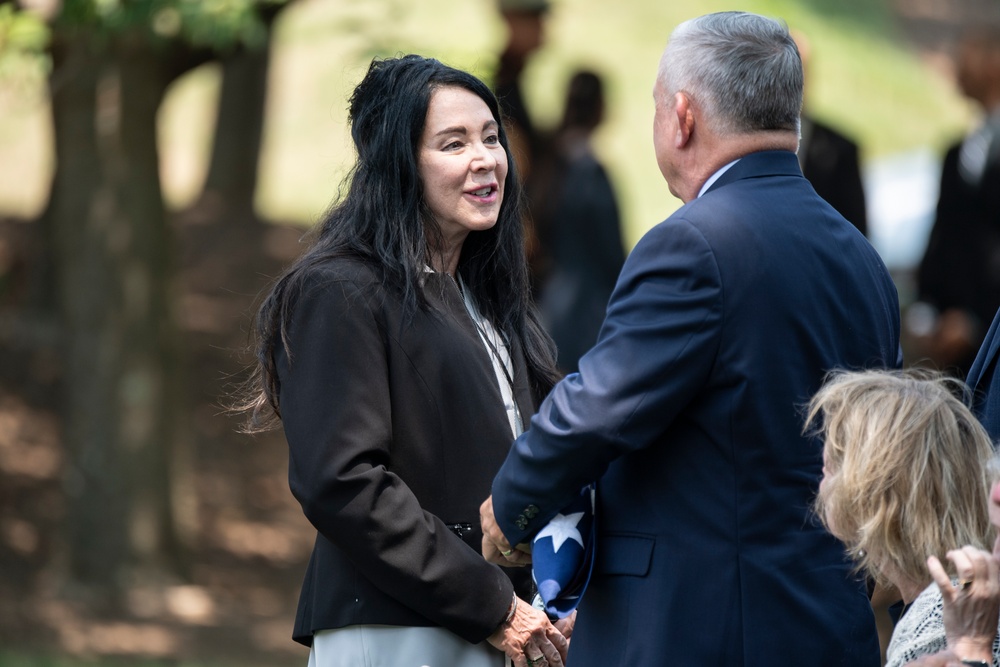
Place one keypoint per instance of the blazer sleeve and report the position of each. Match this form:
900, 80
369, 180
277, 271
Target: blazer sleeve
655, 351
336, 410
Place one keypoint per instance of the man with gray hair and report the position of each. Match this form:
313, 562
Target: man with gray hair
688, 411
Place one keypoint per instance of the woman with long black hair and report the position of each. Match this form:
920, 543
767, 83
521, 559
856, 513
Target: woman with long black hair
401, 355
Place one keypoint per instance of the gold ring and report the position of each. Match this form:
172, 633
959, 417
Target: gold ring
505, 554
964, 584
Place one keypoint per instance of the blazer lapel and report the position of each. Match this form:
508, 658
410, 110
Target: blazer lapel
522, 390
454, 305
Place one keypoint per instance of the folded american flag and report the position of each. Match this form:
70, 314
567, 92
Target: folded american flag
562, 555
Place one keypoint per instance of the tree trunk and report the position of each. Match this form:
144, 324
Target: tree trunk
113, 249
232, 175
231, 182
149, 401
112, 255
86, 225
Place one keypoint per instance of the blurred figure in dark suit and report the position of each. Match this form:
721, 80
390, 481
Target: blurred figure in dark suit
958, 282
525, 23
577, 222
830, 160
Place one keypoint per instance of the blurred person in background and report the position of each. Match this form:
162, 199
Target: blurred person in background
401, 355
524, 21
830, 159
578, 226
905, 476
525, 24
725, 319
958, 281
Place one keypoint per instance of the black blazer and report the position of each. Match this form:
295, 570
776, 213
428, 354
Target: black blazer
961, 266
395, 430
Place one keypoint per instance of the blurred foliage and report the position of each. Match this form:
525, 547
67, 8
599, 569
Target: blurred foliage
867, 13
21, 31
23, 39
24, 63
216, 24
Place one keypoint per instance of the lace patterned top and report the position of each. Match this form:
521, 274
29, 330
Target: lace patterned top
920, 631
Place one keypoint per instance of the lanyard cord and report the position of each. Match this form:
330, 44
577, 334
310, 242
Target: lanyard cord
470, 306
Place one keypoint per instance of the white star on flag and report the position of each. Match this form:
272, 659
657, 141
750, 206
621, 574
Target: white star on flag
562, 528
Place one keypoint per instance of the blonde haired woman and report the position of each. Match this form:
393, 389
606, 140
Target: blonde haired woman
905, 477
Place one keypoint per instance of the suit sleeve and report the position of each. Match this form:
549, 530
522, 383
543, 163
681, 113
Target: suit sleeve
655, 351
336, 410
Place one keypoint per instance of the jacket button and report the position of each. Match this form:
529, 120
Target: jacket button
521, 522
531, 511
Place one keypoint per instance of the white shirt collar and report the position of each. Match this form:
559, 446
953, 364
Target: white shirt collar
714, 177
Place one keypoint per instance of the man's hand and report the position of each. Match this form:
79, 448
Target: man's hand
496, 548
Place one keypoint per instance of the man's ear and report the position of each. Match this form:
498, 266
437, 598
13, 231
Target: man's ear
685, 119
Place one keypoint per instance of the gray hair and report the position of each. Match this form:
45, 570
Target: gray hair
742, 69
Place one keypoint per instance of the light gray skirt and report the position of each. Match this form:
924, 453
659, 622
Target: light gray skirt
391, 646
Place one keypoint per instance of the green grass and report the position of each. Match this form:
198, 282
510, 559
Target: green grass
863, 78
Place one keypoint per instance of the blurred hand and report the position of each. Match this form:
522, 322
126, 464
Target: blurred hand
946, 339
955, 337
971, 607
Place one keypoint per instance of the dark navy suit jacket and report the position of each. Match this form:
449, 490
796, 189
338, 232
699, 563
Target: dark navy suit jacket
984, 382
688, 412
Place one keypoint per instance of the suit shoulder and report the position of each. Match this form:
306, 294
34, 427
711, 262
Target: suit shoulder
679, 233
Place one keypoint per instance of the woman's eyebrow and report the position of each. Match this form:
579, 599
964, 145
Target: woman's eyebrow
455, 129
461, 129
